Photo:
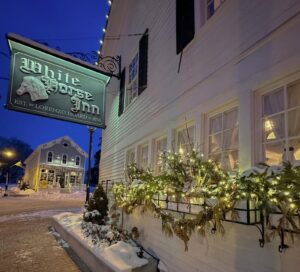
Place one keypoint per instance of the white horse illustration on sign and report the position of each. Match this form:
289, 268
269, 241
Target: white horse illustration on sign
34, 87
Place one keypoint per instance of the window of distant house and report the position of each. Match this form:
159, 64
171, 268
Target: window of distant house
280, 123
223, 138
77, 160
64, 159
130, 156
143, 151
160, 146
50, 157
132, 88
185, 139
212, 6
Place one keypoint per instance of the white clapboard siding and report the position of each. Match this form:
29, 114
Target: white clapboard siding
243, 48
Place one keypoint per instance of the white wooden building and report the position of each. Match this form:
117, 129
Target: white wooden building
57, 164
228, 72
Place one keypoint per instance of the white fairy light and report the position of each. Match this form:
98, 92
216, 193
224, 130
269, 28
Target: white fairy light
103, 30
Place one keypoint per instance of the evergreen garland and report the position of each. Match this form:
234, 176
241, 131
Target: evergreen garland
187, 177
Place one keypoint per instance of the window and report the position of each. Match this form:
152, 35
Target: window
160, 146
122, 92
50, 157
65, 144
132, 89
137, 75
185, 23
64, 159
223, 138
212, 6
280, 123
143, 156
77, 161
185, 139
130, 156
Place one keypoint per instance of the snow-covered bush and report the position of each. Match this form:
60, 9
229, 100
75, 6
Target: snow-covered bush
97, 207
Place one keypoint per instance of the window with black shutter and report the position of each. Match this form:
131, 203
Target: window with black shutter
122, 92
185, 23
143, 62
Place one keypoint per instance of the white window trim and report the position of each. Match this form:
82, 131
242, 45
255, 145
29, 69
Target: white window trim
128, 85
223, 108
182, 127
257, 107
127, 157
154, 149
139, 151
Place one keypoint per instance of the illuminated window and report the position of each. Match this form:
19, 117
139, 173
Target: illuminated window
130, 156
50, 157
185, 139
160, 146
143, 152
281, 124
223, 138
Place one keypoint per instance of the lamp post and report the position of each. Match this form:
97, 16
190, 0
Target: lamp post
91, 131
8, 154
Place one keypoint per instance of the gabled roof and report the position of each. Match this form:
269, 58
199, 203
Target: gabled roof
57, 141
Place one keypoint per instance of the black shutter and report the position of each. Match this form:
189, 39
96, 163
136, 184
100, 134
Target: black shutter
143, 62
185, 23
122, 92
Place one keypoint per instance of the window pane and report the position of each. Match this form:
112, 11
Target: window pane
231, 139
294, 123
230, 160
185, 137
215, 124
273, 102
274, 152
215, 143
274, 127
293, 92
295, 153
230, 119
215, 157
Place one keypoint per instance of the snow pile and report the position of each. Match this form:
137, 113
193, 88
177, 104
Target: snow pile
17, 191
125, 252
103, 241
57, 195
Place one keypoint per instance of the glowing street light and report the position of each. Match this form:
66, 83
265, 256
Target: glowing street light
8, 154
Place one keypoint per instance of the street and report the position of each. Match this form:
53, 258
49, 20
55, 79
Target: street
26, 240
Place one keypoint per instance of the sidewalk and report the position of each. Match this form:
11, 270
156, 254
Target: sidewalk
26, 244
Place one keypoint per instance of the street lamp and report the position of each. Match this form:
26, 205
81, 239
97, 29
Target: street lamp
9, 154
91, 131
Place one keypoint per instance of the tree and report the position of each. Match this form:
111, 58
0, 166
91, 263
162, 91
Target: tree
97, 207
21, 151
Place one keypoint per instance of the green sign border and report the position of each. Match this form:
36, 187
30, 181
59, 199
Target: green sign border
44, 50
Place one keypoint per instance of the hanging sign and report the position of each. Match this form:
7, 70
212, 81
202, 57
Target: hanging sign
47, 82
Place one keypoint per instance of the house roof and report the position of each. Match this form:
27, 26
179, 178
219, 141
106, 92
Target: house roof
57, 141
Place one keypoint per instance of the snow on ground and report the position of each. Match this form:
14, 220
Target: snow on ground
56, 195
39, 214
122, 256
49, 194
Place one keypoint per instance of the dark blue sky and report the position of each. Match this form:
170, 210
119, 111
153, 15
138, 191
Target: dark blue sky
71, 25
